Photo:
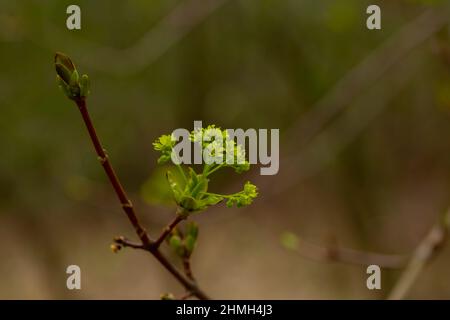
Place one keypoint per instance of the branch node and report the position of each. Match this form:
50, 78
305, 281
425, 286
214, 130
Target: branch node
127, 205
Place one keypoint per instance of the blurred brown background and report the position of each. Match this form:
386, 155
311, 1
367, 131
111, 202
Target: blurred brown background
364, 118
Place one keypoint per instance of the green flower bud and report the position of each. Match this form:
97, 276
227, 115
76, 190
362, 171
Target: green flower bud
85, 85
69, 79
190, 240
167, 296
64, 67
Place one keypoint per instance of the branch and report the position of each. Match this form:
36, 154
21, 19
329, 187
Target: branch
168, 229
423, 254
349, 256
124, 242
147, 243
369, 70
104, 160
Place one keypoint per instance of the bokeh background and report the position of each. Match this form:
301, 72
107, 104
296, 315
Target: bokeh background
364, 118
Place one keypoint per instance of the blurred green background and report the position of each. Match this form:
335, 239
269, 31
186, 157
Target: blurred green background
364, 118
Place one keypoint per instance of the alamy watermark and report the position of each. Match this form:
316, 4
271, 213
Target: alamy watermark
214, 146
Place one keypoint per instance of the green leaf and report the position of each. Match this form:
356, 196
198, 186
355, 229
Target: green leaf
192, 230
193, 195
155, 190
189, 243
201, 186
192, 180
189, 204
176, 190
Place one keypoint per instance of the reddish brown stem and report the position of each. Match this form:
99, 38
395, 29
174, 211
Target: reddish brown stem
103, 158
167, 230
187, 268
189, 284
127, 243
147, 243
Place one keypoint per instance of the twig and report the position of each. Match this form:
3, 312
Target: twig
423, 254
103, 158
167, 230
368, 71
147, 243
127, 243
187, 268
349, 256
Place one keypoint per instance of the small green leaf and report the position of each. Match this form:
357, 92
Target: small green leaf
192, 229
200, 187
193, 180
176, 245
189, 204
189, 243
176, 190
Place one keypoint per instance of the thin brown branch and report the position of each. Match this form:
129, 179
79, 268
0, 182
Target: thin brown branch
124, 242
349, 256
187, 268
424, 253
114, 180
188, 282
167, 230
147, 243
